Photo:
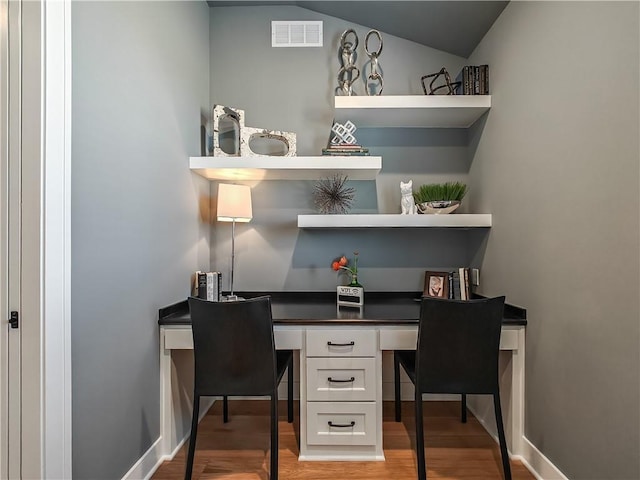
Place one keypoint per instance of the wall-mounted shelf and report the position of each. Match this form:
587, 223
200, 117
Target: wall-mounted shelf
458, 220
419, 111
286, 168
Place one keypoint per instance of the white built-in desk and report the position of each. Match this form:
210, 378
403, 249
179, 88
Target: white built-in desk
309, 323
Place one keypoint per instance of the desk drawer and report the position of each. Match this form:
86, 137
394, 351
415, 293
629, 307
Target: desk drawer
178, 339
341, 343
352, 379
508, 339
406, 338
346, 423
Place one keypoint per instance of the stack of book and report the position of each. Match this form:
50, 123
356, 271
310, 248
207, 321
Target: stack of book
459, 284
345, 149
474, 80
208, 286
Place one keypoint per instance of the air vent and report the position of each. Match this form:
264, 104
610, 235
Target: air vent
296, 34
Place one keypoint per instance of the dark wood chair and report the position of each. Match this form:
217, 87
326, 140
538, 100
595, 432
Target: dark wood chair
457, 352
235, 355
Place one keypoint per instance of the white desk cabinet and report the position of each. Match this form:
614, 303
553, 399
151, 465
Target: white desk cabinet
341, 394
323, 402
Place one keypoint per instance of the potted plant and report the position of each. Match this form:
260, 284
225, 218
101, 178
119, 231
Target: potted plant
439, 198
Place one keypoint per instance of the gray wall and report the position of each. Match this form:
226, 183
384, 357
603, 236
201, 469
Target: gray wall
140, 81
292, 89
557, 165
565, 111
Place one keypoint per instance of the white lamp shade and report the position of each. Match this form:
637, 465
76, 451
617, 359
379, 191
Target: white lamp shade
234, 203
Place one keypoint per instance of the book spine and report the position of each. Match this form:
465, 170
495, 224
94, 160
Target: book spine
211, 285
463, 291
450, 281
345, 149
456, 286
219, 286
486, 82
194, 286
476, 80
466, 80
202, 285
466, 284
345, 154
486, 79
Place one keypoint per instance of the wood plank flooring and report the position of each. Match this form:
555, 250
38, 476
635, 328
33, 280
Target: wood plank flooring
240, 449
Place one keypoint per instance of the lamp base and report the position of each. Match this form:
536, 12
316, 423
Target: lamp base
230, 298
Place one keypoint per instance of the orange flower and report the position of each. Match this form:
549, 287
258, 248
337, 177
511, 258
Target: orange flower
342, 263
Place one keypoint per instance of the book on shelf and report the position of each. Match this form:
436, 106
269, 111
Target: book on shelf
344, 149
209, 286
458, 284
474, 80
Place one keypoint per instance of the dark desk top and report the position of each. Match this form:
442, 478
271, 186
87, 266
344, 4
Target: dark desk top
319, 308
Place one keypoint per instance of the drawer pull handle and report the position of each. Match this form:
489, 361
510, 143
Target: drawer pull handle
341, 425
338, 380
350, 344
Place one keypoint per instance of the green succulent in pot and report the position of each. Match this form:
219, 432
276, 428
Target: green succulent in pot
439, 198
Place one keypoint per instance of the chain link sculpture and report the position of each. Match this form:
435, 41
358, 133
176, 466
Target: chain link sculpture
374, 76
348, 72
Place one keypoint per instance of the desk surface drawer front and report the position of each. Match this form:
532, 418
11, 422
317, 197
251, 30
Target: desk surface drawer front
341, 379
406, 338
178, 339
346, 423
341, 343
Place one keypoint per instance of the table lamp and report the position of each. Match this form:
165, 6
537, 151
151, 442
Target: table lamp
234, 205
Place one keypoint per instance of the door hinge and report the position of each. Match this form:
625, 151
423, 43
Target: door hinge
13, 319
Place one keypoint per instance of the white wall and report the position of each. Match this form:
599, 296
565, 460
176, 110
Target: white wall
557, 165
140, 82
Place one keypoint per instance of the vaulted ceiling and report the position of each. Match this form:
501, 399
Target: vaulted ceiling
451, 26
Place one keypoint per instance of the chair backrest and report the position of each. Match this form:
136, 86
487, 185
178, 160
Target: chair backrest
458, 345
233, 347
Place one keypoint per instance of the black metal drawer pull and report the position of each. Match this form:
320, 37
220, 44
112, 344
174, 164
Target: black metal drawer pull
341, 425
346, 380
350, 344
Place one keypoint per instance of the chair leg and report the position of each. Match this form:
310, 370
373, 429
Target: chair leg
503, 442
463, 413
192, 440
274, 436
396, 384
422, 467
225, 409
290, 391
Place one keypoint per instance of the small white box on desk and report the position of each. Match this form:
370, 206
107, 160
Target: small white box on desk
350, 296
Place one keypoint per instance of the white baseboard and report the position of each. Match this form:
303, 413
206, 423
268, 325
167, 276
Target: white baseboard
147, 465
539, 465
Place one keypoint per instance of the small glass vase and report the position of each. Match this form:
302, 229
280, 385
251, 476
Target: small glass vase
354, 280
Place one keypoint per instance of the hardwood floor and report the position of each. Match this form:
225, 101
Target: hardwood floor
240, 449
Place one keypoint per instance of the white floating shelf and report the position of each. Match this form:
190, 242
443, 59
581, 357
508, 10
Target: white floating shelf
421, 111
454, 220
286, 168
